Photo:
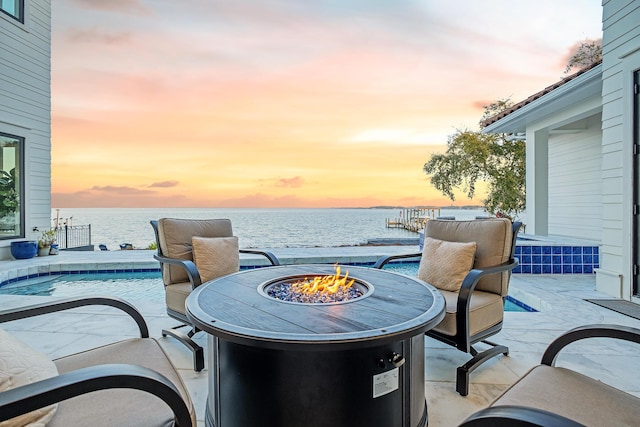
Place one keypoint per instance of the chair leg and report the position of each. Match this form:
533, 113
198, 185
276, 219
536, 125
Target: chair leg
198, 351
462, 372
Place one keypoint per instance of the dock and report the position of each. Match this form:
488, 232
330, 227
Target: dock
413, 219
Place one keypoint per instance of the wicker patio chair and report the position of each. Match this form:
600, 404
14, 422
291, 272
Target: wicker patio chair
183, 270
470, 262
130, 382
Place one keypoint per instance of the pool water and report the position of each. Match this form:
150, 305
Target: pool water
130, 286
147, 286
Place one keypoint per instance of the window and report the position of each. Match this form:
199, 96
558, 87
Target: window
11, 186
14, 8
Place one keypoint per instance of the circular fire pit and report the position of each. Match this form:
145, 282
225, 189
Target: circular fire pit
358, 362
284, 289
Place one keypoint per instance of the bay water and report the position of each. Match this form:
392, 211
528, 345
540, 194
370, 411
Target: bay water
255, 227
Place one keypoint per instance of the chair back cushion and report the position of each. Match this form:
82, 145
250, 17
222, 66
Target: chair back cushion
216, 256
446, 264
493, 237
175, 240
21, 365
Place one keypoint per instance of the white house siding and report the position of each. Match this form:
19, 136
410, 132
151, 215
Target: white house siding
621, 54
25, 105
575, 183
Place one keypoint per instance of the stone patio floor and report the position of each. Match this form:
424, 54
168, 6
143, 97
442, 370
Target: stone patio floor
560, 299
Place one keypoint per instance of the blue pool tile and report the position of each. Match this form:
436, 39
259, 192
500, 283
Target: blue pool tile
577, 269
596, 250
576, 250
546, 250
526, 250
566, 269
566, 259
556, 250
536, 259
525, 259
596, 259
587, 269
557, 268
566, 250
576, 259
546, 269
556, 259
526, 269
546, 259
587, 259
536, 250
518, 250
517, 270
536, 269
587, 250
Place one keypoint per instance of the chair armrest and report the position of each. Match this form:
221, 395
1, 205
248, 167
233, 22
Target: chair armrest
188, 265
271, 257
69, 303
385, 259
473, 277
27, 398
626, 333
517, 416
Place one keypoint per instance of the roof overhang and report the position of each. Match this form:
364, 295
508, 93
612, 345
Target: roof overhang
574, 91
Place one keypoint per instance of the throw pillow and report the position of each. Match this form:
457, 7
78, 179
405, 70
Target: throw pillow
21, 365
445, 264
215, 256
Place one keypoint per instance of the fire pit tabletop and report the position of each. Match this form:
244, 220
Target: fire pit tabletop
236, 308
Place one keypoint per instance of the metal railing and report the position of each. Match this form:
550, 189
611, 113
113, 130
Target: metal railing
76, 237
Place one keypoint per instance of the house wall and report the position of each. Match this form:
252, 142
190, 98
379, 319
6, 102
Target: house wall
25, 106
575, 182
621, 55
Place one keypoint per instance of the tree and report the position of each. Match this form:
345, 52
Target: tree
473, 156
586, 54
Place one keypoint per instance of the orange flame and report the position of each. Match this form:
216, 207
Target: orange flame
324, 284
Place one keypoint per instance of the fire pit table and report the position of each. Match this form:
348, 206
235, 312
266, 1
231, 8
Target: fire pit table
352, 363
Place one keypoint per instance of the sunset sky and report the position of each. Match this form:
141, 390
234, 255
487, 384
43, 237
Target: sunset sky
286, 103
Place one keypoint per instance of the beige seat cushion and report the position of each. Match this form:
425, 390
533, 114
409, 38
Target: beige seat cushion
120, 407
486, 309
215, 256
574, 396
176, 296
446, 264
21, 365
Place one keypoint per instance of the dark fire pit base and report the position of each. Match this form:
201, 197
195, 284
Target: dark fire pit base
274, 388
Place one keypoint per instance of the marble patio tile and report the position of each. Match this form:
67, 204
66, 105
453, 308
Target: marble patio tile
197, 385
446, 407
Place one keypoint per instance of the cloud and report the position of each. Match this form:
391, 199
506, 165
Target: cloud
95, 35
164, 184
295, 182
120, 6
124, 191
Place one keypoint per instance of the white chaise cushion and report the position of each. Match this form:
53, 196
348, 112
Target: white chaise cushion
21, 365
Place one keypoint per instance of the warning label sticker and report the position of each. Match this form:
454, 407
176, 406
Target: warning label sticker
385, 383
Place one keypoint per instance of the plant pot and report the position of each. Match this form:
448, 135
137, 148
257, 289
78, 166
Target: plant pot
24, 249
44, 251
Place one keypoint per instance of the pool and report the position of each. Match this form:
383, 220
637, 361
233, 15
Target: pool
144, 285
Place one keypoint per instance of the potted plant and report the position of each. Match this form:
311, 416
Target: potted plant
46, 240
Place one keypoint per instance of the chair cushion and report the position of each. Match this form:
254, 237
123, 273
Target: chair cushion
446, 264
176, 296
215, 256
493, 237
21, 365
175, 241
120, 407
573, 395
486, 309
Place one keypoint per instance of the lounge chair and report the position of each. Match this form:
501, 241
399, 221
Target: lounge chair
130, 382
181, 273
470, 262
555, 396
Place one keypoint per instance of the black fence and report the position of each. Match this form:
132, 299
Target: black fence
74, 237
